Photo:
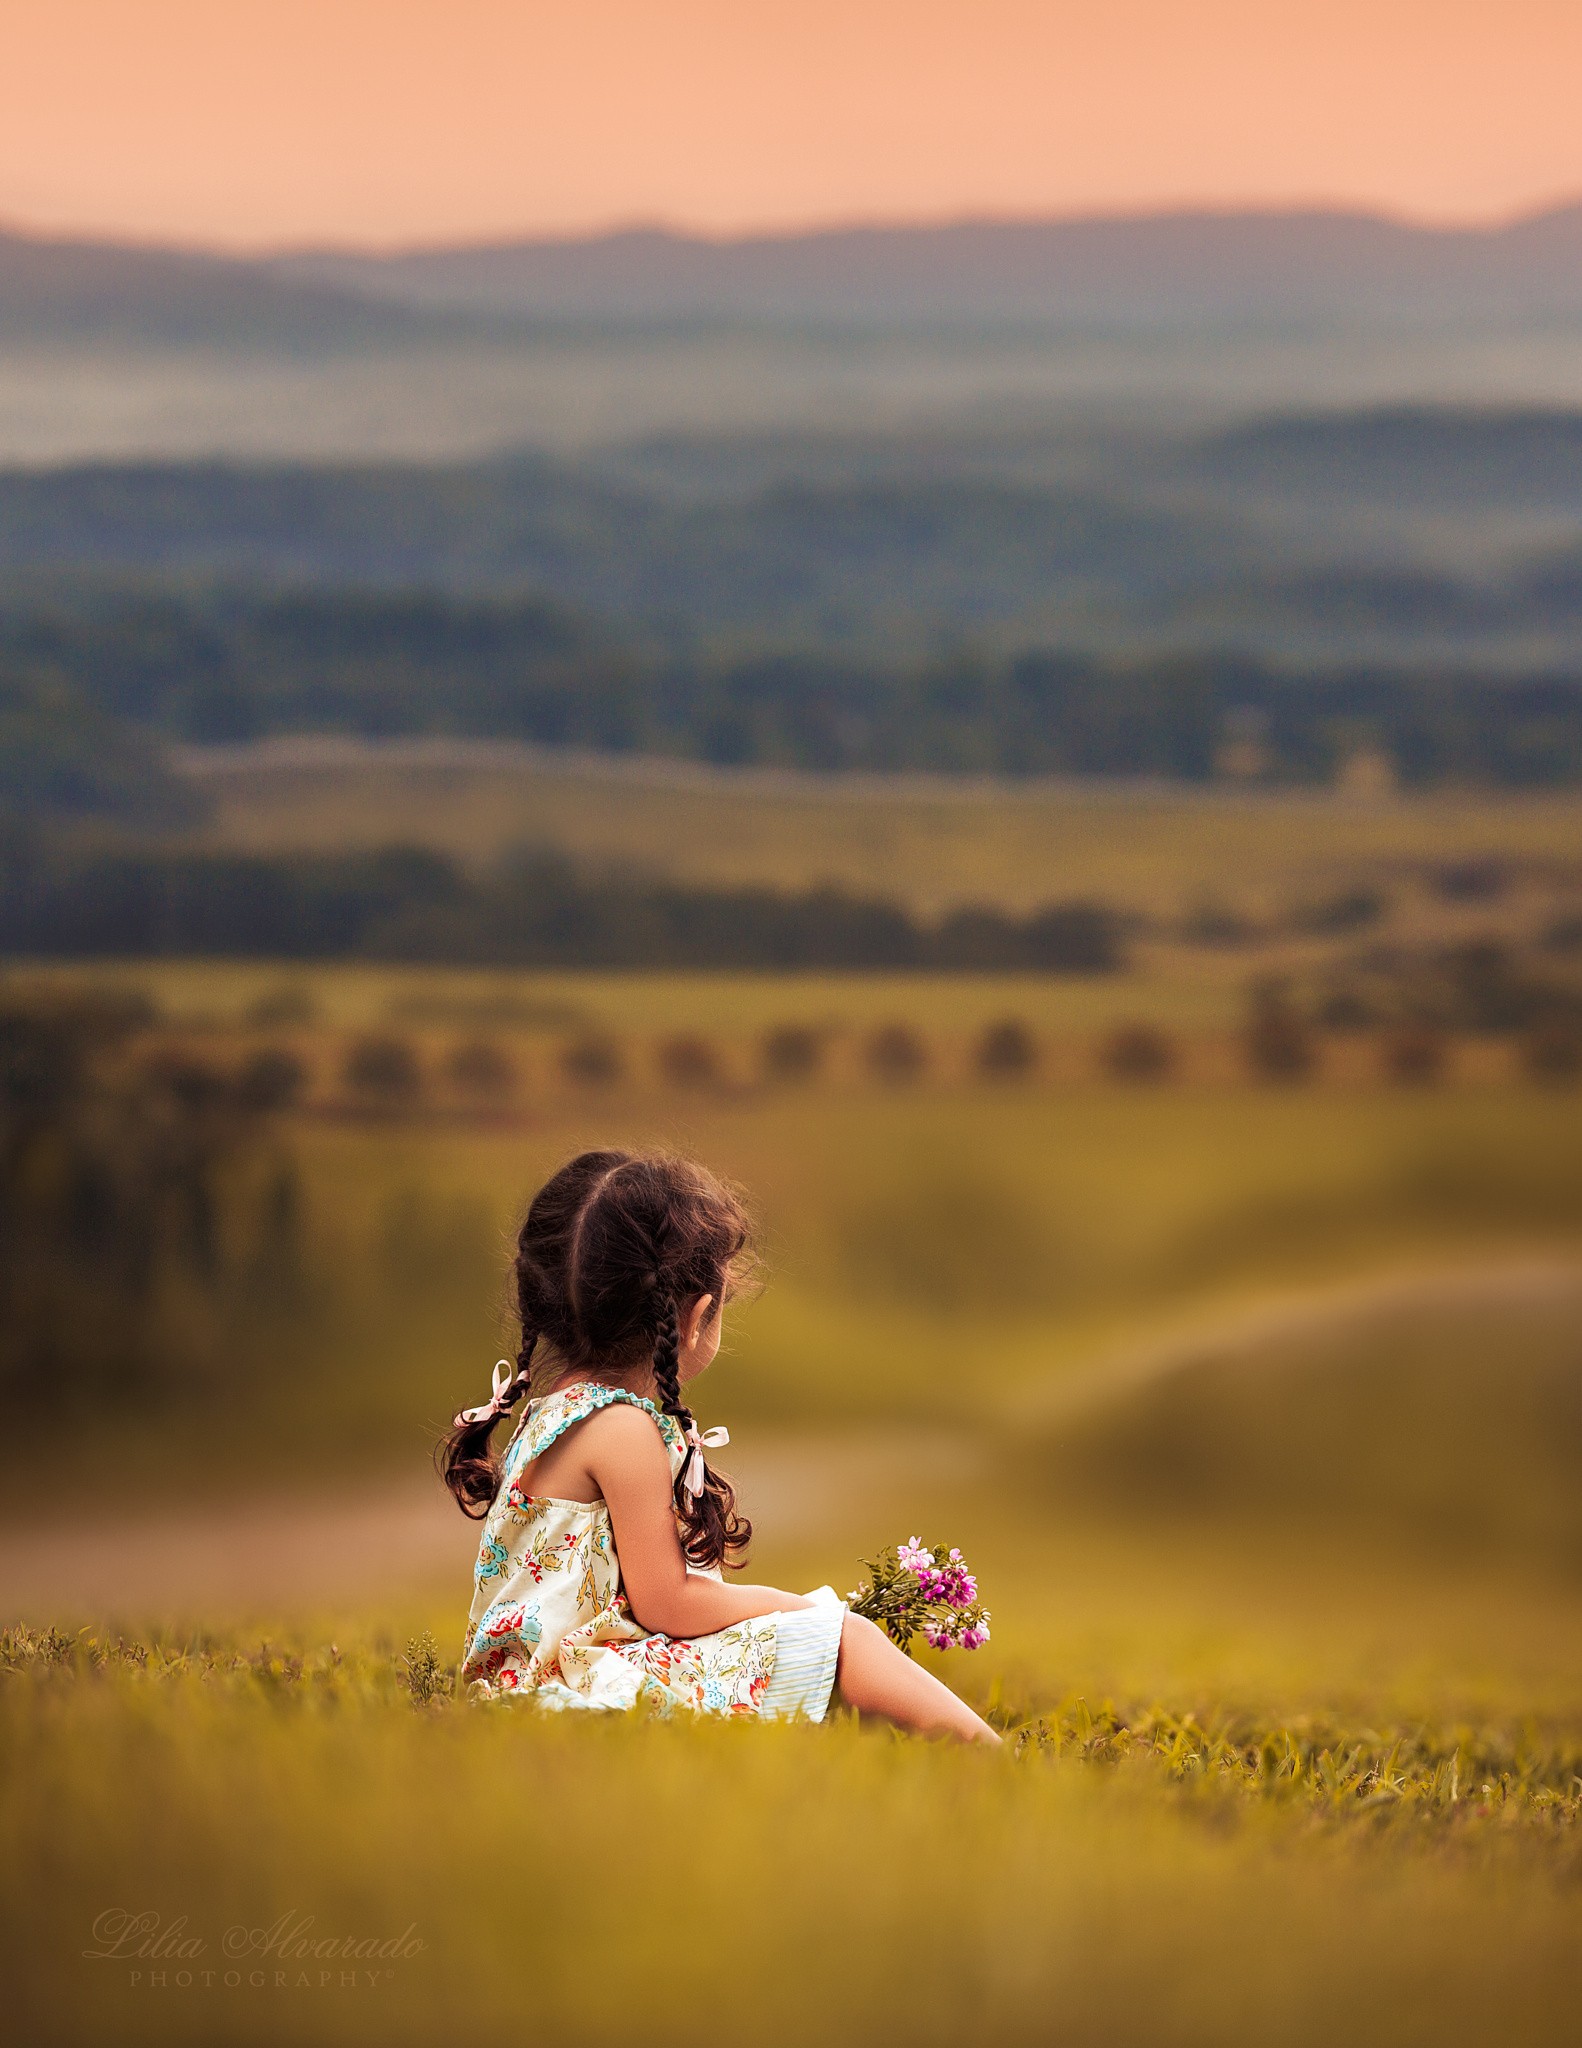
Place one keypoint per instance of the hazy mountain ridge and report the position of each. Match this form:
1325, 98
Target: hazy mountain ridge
1151, 268
108, 292
1168, 269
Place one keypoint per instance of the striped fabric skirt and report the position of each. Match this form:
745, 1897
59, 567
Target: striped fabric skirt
807, 1649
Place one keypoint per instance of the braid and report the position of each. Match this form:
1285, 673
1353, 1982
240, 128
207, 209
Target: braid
465, 1456
710, 1526
524, 1367
667, 1362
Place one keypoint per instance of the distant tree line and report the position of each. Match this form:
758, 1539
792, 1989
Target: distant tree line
412, 905
86, 675
834, 539
146, 1214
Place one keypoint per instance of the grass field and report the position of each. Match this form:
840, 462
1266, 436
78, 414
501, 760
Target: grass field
1253, 1794
934, 842
1258, 1410
540, 1010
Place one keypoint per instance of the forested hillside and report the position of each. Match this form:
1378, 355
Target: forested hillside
233, 666
1267, 601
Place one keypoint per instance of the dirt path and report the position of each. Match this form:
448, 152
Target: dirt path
278, 1554
255, 1555
1292, 1317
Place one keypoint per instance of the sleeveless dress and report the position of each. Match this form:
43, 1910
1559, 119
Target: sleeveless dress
549, 1618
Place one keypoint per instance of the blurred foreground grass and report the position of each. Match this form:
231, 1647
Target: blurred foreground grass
1125, 1870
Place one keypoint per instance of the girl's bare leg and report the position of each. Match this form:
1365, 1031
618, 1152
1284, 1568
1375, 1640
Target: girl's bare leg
876, 1678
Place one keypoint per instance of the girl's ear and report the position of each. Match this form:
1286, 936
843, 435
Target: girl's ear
697, 1317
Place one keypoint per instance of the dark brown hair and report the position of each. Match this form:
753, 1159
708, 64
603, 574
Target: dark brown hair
614, 1247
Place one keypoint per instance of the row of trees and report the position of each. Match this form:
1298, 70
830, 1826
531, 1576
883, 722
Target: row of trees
414, 905
237, 665
389, 1074
1480, 985
1281, 1044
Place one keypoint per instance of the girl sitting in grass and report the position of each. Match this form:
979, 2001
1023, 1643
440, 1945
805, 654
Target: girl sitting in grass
605, 1528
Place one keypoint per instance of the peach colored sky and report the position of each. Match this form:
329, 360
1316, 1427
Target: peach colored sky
255, 122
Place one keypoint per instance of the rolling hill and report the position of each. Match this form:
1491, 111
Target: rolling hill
1166, 270
1194, 266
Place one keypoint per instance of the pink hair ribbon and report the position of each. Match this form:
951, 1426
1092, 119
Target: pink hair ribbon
505, 1379
693, 1471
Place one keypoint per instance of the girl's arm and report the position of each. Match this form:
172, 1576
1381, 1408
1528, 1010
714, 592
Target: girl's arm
627, 1460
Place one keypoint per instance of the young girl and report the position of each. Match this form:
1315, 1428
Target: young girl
604, 1526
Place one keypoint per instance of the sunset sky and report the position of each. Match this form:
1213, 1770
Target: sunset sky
252, 123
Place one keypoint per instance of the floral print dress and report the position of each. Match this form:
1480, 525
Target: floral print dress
549, 1617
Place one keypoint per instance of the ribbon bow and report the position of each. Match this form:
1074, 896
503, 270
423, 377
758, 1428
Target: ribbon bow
505, 1378
693, 1470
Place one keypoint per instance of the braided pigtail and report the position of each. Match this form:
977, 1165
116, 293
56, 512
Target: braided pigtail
517, 1391
710, 1527
667, 1363
466, 1460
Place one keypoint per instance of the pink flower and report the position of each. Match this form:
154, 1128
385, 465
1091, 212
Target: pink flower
958, 1587
943, 1606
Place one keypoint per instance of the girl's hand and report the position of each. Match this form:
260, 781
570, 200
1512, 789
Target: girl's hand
628, 1463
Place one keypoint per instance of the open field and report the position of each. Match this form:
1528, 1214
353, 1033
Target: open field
1266, 1793
935, 843
1281, 1779
1185, 1892
1256, 1408
539, 1011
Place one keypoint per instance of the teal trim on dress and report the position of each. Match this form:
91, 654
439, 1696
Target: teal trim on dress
579, 1403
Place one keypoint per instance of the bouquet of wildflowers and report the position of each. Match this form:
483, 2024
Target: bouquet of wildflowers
914, 1591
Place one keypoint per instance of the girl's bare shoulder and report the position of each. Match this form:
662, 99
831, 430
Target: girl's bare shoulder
615, 1442
620, 1425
